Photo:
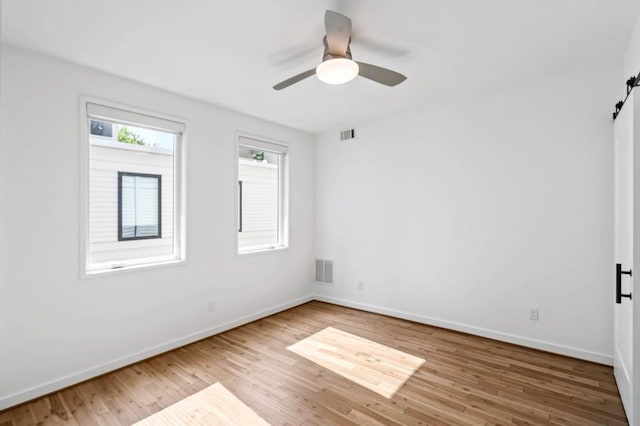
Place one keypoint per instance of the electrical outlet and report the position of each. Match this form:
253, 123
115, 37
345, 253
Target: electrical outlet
211, 306
360, 285
533, 314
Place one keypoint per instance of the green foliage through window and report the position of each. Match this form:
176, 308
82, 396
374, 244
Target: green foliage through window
127, 136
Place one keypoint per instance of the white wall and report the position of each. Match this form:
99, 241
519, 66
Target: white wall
55, 325
467, 214
632, 53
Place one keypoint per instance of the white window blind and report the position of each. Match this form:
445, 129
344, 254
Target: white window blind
262, 145
130, 117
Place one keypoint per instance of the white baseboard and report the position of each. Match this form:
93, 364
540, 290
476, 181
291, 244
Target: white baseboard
478, 331
7, 401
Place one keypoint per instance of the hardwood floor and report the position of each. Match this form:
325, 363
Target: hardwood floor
256, 373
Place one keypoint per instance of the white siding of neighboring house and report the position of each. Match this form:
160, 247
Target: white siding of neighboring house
259, 204
107, 158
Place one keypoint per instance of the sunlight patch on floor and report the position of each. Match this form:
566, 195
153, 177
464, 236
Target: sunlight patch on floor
377, 367
213, 405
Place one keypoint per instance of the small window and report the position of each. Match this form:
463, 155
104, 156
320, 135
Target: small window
134, 206
139, 206
262, 221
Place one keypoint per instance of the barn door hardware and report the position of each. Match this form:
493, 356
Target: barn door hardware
633, 81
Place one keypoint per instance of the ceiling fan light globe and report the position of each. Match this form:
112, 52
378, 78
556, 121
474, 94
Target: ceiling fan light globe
337, 71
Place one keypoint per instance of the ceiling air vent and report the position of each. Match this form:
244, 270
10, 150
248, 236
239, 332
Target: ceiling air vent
324, 271
347, 134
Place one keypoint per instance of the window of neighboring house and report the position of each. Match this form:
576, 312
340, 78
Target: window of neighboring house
134, 193
139, 206
262, 195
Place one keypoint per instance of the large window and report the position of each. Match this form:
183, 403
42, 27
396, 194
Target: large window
262, 195
134, 208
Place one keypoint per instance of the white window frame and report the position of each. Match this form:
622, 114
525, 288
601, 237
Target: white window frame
142, 118
281, 148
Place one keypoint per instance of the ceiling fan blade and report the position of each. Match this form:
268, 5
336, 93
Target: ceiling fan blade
380, 75
296, 78
338, 29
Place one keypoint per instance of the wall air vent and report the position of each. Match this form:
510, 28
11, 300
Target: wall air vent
347, 134
324, 271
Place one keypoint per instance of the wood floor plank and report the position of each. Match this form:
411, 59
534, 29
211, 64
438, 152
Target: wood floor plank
340, 373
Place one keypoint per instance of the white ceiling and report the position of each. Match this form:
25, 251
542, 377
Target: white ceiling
231, 53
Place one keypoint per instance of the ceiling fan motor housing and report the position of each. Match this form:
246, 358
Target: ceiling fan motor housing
328, 55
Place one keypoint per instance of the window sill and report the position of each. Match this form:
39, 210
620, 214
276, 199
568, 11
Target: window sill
99, 273
261, 251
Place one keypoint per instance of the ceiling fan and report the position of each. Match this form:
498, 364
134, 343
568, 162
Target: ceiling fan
337, 67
